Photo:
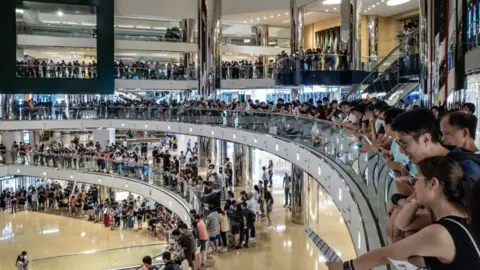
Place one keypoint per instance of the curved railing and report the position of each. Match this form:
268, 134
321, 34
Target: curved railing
147, 174
321, 138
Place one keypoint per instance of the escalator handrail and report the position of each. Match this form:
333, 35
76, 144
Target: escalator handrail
375, 69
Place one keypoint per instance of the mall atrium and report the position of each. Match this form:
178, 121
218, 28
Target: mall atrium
254, 134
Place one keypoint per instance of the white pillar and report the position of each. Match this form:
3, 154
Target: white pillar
104, 136
9, 137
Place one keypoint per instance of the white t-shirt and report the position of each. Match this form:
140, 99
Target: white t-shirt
351, 118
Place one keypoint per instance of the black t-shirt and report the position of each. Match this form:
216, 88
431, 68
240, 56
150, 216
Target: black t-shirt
187, 243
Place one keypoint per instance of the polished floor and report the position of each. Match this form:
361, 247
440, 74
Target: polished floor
285, 246
55, 242
48, 238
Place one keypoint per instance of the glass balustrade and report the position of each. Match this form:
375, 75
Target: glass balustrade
325, 62
147, 172
86, 72
368, 170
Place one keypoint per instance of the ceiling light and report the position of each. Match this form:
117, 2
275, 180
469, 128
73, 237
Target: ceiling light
264, 18
278, 14
51, 22
334, 8
160, 28
331, 2
19, 11
272, 43
59, 13
326, 10
129, 54
87, 24
251, 20
142, 27
271, 16
244, 21
286, 13
258, 19
396, 2
125, 26
246, 40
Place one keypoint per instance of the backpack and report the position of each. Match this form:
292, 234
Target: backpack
469, 161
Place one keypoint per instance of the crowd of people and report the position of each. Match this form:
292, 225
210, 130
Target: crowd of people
433, 154
148, 70
217, 228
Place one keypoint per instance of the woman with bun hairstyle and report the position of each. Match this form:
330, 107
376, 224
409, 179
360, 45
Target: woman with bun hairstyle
451, 241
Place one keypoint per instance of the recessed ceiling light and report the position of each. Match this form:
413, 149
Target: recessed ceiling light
258, 19
271, 16
278, 14
334, 8
331, 2
396, 2
326, 10
244, 21
286, 13
19, 11
264, 18
251, 20
59, 13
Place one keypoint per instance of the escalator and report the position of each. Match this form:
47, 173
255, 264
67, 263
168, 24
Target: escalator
398, 72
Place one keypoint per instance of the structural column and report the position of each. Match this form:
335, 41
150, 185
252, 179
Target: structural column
209, 46
350, 29
296, 26
262, 40
298, 200
423, 44
221, 152
207, 149
372, 37
188, 30
6, 111
242, 165
104, 137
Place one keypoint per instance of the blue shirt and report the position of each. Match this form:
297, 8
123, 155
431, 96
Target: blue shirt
402, 158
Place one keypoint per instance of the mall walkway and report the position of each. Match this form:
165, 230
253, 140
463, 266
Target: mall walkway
285, 246
57, 240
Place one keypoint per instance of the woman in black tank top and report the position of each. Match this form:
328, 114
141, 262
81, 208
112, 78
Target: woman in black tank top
451, 242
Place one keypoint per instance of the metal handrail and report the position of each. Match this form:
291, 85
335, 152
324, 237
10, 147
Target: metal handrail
374, 70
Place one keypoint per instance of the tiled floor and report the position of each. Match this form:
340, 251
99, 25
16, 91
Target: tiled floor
283, 246
46, 235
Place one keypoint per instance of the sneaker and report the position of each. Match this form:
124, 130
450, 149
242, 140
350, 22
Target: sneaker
224, 249
252, 239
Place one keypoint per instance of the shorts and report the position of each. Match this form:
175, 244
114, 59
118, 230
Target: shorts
213, 238
235, 229
202, 244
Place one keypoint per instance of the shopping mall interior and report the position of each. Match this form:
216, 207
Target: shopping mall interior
217, 134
